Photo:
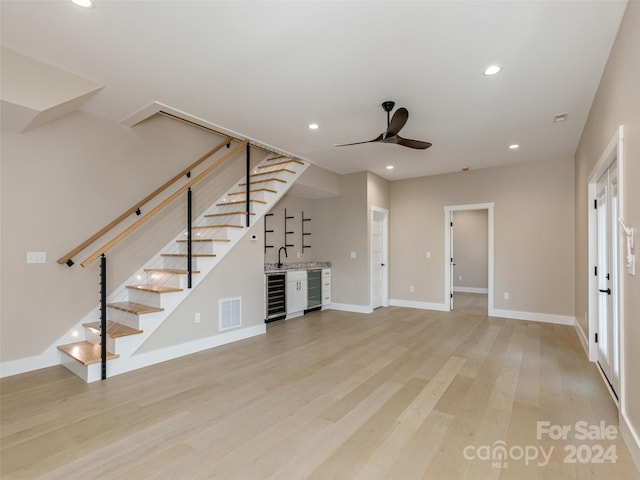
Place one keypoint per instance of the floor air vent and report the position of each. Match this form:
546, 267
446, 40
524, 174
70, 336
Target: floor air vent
230, 313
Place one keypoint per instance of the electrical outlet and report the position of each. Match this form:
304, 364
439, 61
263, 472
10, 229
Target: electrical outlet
411, 289
353, 254
460, 277
428, 254
197, 317
506, 295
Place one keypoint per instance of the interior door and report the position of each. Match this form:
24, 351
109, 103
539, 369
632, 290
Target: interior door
378, 261
607, 277
451, 264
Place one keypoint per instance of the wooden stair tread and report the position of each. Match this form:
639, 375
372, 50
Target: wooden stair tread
114, 329
86, 353
205, 240
277, 157
227, 214
264, 180
217, 226
284, 162
170, 271
184, 255
268, 190
240, 202
288, 170
154, 288
135, 308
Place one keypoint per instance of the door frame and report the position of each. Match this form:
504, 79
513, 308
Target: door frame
448, 212
613, 152
385, 256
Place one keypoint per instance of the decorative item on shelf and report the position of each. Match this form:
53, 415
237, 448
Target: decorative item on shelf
286, 230
304, 233
267, 230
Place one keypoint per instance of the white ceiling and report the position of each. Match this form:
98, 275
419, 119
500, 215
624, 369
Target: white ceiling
267, 69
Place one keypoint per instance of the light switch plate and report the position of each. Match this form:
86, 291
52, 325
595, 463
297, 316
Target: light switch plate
353, 254
36, 257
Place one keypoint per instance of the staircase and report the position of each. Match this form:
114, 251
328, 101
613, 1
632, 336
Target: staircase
139, 306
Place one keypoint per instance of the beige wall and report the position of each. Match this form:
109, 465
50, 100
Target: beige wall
294, 206
470, 247
60, 184
617, 102
378, 191
239, 274
533, 241
342, 229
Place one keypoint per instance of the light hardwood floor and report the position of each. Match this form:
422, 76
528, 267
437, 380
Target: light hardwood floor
398, 394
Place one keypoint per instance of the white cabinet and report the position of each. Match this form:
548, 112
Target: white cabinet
296, 292
326, 286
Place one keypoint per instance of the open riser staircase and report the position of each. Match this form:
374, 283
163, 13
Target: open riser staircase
140, 305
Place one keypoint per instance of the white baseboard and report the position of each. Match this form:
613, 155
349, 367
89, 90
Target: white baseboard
631, 438
470, 290
583, 338
440, 307
48, 358
52, 357
345, 307
533, 316
175, 351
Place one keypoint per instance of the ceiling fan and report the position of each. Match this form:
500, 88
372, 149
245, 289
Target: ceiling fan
394, 125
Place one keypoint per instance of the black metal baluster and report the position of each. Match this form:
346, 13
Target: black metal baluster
103, 316
248, 211
189, 248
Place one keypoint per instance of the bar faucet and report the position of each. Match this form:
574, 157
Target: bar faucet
285, 254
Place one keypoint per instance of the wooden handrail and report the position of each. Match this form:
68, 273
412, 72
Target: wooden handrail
163, 204
96, 236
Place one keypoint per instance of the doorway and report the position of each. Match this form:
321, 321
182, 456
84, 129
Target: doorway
606, 272
379, 258
606, 269
450, 259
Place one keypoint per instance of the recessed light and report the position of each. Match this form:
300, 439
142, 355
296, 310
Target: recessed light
514, 146
83, 3
389, 167
492, 70
313, 126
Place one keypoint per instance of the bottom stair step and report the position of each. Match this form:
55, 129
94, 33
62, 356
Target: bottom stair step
86, 353
114, 329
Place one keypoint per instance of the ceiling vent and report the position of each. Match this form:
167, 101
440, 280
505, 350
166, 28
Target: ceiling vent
560, 117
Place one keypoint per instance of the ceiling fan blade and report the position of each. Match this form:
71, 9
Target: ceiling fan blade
407, 142
397, 122
377, 139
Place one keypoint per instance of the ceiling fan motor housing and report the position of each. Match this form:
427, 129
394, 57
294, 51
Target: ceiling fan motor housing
388, 105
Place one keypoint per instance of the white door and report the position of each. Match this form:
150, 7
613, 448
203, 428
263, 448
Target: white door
607, 277
378, 258
451, 264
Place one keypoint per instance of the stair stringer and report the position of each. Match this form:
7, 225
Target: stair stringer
126, 347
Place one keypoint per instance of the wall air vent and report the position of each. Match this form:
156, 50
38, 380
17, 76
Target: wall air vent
230, 313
